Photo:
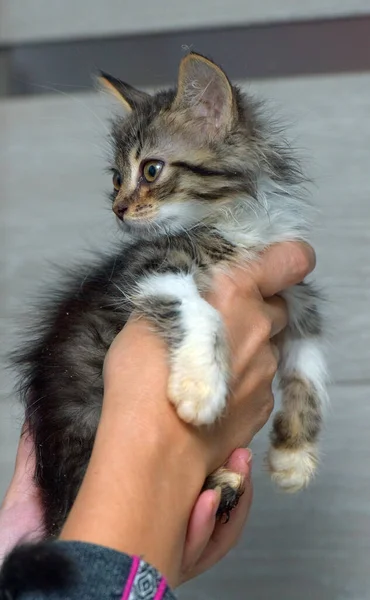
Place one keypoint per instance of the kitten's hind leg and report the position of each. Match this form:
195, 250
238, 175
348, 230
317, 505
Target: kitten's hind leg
232, 488
193, 330
293, 454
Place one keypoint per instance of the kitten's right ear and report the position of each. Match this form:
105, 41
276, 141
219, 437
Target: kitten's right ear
204, 89
125, 93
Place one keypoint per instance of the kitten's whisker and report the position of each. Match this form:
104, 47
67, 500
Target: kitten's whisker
124, 294
113, 267
38, 399
36, 406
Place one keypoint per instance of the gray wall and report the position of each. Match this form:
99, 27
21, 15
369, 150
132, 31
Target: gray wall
45, 20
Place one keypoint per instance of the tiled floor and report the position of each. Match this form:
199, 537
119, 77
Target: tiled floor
314, 546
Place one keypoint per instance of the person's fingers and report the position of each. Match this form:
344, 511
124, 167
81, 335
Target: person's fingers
24, 451
282, 266
21, 515
277, 311
226, 535
201, 525
22, 485
275, 270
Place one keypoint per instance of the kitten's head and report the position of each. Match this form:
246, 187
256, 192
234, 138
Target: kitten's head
184, 157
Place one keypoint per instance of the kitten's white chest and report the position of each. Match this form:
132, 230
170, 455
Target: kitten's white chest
275, 216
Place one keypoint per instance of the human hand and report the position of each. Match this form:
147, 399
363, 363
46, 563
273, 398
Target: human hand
20, 511
208, 540
201, 551
253, 315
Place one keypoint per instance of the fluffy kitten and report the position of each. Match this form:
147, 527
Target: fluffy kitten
200, 179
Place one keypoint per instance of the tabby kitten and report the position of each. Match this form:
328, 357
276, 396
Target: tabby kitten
200, 179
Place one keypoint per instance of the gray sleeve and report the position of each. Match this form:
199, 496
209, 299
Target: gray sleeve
78, 571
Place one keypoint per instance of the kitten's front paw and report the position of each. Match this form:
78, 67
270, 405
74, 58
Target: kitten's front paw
292, 470
197, 387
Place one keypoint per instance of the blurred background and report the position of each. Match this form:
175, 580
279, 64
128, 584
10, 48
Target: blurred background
311, 61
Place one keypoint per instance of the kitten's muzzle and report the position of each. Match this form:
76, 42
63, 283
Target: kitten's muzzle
120, 208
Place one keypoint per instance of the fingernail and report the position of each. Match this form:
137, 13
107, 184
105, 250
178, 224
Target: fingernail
248, 458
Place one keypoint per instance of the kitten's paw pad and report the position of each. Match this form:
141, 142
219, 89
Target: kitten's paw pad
197, 388
292, 470
232, 488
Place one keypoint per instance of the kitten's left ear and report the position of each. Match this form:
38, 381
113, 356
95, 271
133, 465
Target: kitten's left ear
124, 92
204, 88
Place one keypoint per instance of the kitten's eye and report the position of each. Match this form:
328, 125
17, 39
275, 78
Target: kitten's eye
151, 170
117, 180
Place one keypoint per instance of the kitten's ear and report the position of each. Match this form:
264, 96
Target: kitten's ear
204, 88
124, 92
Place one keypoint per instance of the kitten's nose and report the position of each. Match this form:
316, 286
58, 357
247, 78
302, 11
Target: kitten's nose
120, 208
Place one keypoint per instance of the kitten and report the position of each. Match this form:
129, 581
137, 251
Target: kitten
200, 178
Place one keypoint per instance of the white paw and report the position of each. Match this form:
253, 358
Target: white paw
293, 470
197, 386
